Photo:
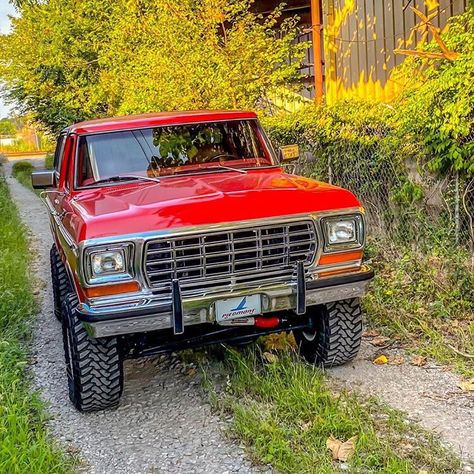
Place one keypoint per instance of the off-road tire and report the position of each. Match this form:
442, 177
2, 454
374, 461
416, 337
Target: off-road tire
336, 336
60, 281
94, 366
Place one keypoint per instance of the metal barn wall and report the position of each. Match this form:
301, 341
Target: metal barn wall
361, 35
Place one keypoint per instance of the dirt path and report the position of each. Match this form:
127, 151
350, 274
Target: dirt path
429, 395
163, 424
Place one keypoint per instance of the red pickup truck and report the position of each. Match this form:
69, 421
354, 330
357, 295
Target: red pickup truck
177, 230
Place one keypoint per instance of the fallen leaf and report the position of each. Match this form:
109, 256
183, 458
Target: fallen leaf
270, 358
370, 333
341, 451
419, 361
397, 360
423, 472
467, 385
380, 341
381, 360
191, 371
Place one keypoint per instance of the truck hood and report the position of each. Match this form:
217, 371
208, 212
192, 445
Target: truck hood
198, 200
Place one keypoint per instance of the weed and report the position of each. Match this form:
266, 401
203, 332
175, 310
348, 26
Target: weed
426, 299
285, 412
25, 445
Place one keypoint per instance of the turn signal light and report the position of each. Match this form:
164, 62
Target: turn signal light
343, 257
108, 290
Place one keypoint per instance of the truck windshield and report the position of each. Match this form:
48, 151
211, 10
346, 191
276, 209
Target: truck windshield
172, 150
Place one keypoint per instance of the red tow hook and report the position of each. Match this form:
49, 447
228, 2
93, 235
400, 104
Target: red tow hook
268, 322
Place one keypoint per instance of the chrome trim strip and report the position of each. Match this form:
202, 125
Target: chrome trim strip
70, 242
277, 297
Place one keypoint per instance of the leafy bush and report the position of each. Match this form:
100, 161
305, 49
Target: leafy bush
438, 107
22, 167
7, 127
22, 170
396, 158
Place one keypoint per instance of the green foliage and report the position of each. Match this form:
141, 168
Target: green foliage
340, 135
438, 107
49, 161
425, 299
21, 167
286, 410
22, 170
7, 127
25, 446
354, 144
65, 60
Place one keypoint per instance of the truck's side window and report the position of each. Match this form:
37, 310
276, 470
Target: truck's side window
59, 153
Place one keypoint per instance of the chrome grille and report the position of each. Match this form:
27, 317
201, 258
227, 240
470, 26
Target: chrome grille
215, 259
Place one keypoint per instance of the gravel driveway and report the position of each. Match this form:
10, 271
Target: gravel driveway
163, 423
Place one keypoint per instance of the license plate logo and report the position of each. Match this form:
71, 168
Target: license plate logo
242, 307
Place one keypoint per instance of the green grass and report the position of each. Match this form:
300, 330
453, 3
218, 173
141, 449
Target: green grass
22, 170
426, 300
286, 410
48, 161
24, 444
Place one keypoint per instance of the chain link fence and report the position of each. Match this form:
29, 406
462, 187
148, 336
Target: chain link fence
403, 201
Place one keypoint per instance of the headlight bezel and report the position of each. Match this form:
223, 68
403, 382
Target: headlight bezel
356, 243
127, 274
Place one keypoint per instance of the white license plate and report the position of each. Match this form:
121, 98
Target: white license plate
241, 307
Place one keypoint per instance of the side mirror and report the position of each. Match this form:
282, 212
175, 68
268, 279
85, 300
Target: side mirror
289, 153
43, 179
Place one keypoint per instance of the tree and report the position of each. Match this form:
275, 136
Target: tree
67, 60
7, 127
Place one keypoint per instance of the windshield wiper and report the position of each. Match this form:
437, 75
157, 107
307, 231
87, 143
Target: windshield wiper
228, 168
117, 178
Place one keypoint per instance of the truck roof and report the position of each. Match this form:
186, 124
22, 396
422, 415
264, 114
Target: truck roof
157, 119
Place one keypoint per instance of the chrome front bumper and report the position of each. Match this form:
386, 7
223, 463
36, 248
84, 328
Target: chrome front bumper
149, 314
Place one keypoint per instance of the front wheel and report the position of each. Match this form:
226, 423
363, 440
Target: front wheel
60, 281
94, 366
336, 335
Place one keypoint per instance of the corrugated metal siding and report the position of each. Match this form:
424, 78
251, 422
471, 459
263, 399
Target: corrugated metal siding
367, 38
